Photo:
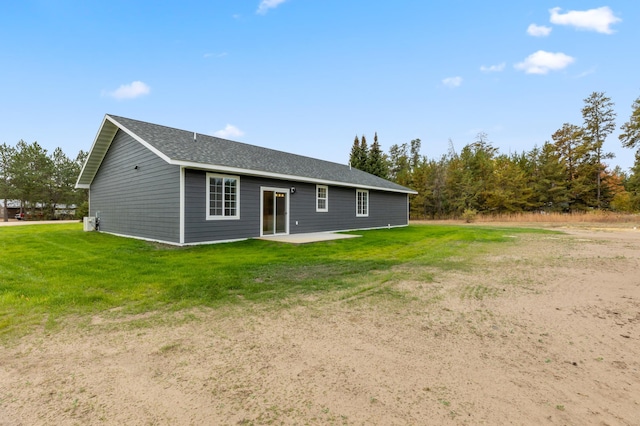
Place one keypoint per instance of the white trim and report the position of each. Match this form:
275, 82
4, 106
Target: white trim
208, 197
326, 199
182, 203
280, 176
93, 145
173, 243
199, 243
286, 213
373, 228
358, 214
96, 141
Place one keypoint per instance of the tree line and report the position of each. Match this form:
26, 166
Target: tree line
566, 174
39, 181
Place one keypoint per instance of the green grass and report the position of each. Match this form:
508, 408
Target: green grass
51, 271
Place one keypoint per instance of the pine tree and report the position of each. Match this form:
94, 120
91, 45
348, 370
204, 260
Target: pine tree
364, 154
6, 157
632, 184
630, 136
376, 163
355, 156
548, 179
599, 122
399, 170
574, 152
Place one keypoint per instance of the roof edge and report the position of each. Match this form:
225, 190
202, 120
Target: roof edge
258, 173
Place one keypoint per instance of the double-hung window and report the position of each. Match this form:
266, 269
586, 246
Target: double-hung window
362, 203
223, 197
322, 198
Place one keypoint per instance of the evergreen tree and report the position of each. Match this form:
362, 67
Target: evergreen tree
599, 122
630, 136
548, 180
575, 155
509, 191
376, 163
364, 154
632, 184
61, 186
356, 155
6, 185
399, 170
31, 170
470, 177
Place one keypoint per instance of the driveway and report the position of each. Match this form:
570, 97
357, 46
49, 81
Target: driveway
13, 222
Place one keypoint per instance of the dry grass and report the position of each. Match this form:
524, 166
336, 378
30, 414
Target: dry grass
554, 218
579, 217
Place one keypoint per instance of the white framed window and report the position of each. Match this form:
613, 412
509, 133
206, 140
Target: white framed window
362, 203
322, 198
223, 197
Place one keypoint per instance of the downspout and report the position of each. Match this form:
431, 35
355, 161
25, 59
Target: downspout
182, 204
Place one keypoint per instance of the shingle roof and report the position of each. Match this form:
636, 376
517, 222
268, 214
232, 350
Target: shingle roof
179, 147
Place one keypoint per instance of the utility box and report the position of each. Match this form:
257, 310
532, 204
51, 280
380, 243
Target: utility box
89, 223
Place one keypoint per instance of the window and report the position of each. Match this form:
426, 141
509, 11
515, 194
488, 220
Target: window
223, 197
322, 198
362, 202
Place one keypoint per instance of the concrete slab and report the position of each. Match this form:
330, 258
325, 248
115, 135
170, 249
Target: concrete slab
313, 237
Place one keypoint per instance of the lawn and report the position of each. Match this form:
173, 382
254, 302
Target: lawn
51, 271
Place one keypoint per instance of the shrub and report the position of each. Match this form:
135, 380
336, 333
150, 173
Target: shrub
469, 215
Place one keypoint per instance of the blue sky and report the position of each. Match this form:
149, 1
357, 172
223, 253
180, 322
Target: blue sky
307, 76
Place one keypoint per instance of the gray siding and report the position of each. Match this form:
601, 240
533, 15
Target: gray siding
143, 203
198, 229
385, 208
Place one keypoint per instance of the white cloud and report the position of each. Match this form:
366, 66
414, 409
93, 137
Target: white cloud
130, 91
538, 30
230, 131
542, 62
452, 81
586, 73
265, 5
493, 68
593, 19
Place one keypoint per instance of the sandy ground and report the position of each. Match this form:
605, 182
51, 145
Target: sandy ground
544, 331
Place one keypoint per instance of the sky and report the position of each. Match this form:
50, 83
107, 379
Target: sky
308, 76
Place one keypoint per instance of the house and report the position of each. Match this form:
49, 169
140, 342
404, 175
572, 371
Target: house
158, 183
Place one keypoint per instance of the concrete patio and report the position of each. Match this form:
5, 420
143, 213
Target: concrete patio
312, 237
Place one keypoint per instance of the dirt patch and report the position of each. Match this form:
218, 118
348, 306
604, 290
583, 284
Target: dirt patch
543, 332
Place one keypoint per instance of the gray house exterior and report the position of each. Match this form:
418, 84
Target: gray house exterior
162, 184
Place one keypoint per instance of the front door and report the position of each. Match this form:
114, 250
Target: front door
275, 206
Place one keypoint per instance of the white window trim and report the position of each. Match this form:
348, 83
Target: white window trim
208, 191
363, 191
326, 199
